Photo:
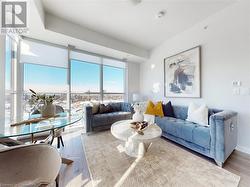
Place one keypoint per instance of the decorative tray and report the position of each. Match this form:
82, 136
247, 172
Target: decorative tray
139, 126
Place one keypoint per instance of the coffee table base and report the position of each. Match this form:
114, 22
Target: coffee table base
136, 148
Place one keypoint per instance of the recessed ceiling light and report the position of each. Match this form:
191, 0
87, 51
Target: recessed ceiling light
206, 27
136, 1
160, 14
124, 59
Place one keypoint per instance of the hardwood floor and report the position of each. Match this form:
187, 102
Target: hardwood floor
239, 163
77, 174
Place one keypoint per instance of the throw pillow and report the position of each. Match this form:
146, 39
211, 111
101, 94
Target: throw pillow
109, 108
154, 109
105, 109
198, 114
116, 107
168, 110
95, 108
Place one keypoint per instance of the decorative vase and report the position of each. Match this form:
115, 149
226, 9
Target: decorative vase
48, 110
137, 116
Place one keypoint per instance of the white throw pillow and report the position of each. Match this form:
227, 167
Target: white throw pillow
198, 114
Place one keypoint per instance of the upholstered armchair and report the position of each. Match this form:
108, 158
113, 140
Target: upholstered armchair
29, 165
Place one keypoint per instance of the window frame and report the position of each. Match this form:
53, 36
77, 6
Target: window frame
47, 92
13, 91
20, 69
101, 77
124, 80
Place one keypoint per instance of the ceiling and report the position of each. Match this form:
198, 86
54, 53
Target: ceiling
132, 23
37, 30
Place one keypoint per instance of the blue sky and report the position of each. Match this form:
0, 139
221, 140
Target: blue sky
84, 77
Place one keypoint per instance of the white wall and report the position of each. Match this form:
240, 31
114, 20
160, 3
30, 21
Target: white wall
225, 57
133, 79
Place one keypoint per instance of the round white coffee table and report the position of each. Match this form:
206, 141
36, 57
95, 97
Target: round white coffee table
135, 144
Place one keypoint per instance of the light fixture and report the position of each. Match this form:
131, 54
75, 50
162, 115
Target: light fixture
160, 14
124, 59
135, 2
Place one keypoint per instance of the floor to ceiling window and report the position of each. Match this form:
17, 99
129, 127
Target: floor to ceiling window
85, 83
45, 70
8, 79
85, 78
75, 77
96, 79
45, 79
113, 82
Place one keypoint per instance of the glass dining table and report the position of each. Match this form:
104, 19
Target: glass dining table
11, 130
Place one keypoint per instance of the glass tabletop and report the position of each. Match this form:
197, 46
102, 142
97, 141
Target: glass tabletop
63, 120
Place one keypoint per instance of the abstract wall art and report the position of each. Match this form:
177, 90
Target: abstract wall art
182, 74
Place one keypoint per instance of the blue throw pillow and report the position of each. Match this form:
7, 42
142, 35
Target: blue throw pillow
168, 110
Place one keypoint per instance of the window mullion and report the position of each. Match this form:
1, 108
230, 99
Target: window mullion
69, 80
2, 76
101, 81
18, 105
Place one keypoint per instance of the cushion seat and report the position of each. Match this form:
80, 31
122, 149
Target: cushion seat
109, 118
188, 131
217, 141
201, 136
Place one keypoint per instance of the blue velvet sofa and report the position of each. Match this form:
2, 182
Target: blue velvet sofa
216, 141
97, 122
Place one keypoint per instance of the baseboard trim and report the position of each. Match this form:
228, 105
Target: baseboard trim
243, 149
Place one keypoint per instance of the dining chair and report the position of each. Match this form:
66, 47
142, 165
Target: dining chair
29, 165
57, 133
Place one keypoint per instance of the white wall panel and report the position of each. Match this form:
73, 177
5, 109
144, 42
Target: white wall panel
225, 58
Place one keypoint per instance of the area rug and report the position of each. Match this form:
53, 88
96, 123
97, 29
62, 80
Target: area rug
165, 164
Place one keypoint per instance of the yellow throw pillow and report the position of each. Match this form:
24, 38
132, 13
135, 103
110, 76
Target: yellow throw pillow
153, 109
150, 108
158, 109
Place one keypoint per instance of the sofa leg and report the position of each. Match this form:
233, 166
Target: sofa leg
220, 164
90, 133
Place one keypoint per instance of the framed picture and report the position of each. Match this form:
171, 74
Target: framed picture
182, 74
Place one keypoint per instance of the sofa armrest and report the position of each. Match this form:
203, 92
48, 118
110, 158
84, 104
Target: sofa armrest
126, 107
224, 115
88, 118
223, 129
